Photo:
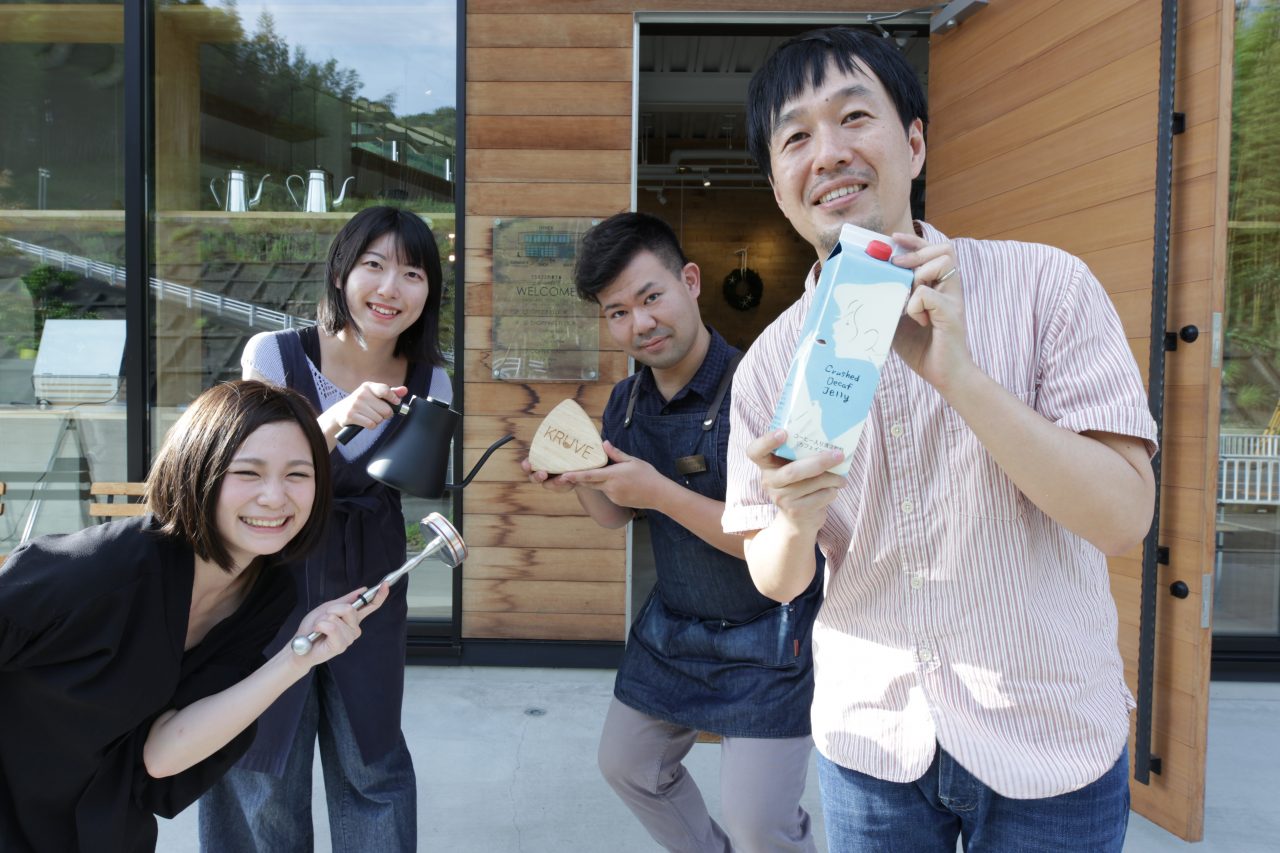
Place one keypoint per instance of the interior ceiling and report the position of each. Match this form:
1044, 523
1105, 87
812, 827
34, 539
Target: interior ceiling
693, 84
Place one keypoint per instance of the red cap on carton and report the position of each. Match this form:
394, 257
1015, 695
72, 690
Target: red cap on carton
879, 250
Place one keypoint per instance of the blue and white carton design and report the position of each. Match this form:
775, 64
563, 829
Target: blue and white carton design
844, 342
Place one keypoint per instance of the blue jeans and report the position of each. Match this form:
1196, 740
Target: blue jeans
864, 814
372, 807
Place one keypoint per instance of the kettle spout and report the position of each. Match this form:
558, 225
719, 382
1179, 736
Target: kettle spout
213, 189
257, 196
342, 193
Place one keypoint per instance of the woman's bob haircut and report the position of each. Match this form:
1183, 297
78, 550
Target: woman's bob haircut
186, 478
416, 246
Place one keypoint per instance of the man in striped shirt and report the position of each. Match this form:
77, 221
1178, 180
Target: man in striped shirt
968, 681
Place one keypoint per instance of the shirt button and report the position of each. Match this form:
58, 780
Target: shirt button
896, 431
925, 655
916, 581
908, 507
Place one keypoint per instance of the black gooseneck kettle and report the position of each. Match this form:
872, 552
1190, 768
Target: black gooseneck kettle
415, 459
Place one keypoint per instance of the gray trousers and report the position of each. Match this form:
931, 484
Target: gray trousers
761, 782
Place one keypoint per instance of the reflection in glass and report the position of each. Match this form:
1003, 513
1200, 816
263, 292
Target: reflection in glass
1247, 594
61, 261
275, 122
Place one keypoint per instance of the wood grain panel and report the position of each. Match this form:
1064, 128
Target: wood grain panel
1121, 175
505, 165
519, 398
556, 133
577, 199
549, 99
501, 531
1033, 160
1113, 223
543, 596
1113, 32
553, 564
481, 430
1122, 268
522, 498
1193, 204
1107, 89
538, 64
544, 626
542, 30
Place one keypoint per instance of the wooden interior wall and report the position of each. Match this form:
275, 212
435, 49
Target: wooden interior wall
548, 133
1052, 138
713, 225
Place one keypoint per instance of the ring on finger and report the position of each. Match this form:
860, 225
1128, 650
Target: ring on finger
946, 275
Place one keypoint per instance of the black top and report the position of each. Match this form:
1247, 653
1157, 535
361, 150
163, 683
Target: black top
92, 628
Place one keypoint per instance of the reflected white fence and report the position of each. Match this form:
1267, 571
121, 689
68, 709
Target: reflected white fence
1249, 470
254, 316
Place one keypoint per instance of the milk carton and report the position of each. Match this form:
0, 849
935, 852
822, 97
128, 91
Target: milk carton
844, 342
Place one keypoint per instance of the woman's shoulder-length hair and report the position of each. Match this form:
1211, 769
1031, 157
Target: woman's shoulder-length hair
186, 478
417, 246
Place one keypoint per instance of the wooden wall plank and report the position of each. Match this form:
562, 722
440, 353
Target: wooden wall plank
544, 596
514, 165
556, 564
549, 99
522, 498
1116, 84
544, 626
1114, 31
543, 30
557, 133
578, 199
539, 64
504, 531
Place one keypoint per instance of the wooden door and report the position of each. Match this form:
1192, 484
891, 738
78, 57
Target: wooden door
1043, 128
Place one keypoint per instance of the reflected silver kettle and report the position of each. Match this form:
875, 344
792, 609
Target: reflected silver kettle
237, 191
316, 198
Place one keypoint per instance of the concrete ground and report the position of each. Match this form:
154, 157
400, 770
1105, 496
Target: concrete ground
506, 762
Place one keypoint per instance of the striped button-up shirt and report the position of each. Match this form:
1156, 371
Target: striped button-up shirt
957, 613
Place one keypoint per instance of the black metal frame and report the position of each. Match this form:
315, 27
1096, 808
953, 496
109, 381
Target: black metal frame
436, 639
1144, 763
139, 67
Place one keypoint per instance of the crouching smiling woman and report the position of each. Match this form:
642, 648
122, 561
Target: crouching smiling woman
131, 666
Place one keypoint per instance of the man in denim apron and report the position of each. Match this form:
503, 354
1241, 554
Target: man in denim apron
707, 651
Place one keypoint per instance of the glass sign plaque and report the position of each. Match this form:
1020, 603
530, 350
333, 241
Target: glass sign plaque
542, 331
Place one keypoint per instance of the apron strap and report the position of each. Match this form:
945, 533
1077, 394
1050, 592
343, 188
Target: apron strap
713, 411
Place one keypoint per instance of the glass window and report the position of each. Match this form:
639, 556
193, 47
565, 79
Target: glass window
61, 262
274, 123
1247, 594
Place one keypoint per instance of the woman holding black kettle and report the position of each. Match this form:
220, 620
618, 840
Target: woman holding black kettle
375, 343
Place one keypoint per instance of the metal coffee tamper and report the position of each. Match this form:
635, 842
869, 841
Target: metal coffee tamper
448, 547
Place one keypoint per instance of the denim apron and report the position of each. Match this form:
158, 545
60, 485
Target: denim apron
363, 540
707, 650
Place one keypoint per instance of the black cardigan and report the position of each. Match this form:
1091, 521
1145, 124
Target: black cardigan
92, 628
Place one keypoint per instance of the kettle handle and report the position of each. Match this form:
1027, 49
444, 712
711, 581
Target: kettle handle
289, 188
350, 431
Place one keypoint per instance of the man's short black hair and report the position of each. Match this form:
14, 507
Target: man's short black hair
416, 246
802, 63
607, 249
